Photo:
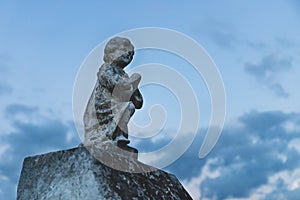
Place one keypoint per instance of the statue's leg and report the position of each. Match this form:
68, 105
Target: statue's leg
119, 138
122, 129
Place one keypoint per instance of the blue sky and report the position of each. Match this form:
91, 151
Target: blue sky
255, 45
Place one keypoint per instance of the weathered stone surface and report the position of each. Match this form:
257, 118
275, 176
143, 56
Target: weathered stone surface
76, 174
114, 98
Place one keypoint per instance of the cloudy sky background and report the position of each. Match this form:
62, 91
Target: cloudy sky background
255, 45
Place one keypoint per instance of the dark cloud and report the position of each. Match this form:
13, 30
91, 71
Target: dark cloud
221, 33
268, 70
278, 90
247, 155
189, 165
228, 37
223, 38
283, 193
269, 66
255, 148
265, 121
35, 135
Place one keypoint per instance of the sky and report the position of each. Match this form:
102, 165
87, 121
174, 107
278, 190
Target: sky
254, 44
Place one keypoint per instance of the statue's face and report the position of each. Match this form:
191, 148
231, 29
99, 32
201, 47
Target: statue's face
119, 51
124, 58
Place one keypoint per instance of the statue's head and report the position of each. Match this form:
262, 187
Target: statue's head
118, 51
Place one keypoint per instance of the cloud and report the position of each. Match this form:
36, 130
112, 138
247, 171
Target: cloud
278, 90
267, 71
33, 134
246, 160
228, 37
269, 66
221, 33
258, 158
194, 184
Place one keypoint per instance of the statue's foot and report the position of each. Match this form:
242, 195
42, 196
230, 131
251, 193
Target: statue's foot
122, 140
81, 145
123, 144
129, 149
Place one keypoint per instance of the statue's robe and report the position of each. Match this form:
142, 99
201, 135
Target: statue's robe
110, 105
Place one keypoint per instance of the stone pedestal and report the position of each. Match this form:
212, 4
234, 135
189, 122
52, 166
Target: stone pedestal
76, 174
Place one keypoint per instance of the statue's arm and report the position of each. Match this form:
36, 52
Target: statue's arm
108, 79
122, 87
136, 97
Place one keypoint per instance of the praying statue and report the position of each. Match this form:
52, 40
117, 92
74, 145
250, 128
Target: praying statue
114, 98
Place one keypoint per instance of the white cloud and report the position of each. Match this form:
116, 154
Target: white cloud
256, 161
193, 185
291, 179
295, 143
258, 194
282, 157
3, 178
291, 126
3, 149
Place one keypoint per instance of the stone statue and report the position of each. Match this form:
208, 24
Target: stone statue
114, 98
